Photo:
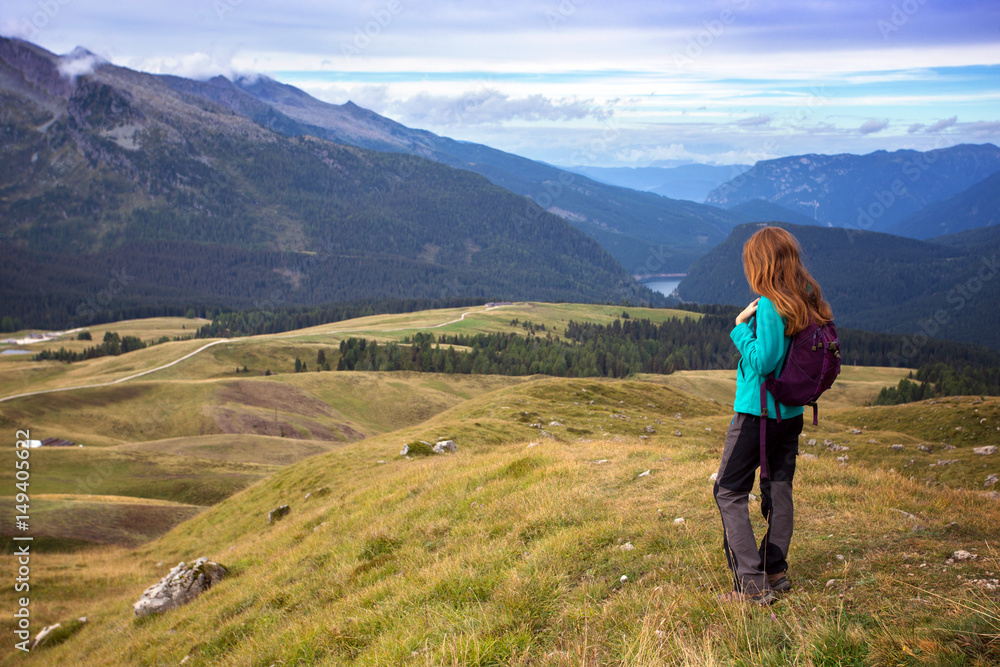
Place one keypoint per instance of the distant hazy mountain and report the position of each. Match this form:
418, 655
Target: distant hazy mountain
690, 181
979, 206
870, 192
642, 230
877, 281
117, 184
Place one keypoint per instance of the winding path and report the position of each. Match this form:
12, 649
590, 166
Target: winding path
217, 342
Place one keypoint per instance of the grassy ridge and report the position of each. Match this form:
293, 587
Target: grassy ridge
508, 553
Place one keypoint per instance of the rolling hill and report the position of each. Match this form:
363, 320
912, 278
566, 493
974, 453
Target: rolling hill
574, 525
121, 193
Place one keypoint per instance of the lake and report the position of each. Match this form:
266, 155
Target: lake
662, 285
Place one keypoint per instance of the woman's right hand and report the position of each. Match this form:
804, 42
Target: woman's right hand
747, 312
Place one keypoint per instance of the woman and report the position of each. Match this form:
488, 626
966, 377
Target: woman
788, 299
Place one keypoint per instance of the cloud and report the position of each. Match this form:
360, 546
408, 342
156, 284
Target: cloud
80, 62
490, 106
916, 127
942, 125
873, 126
754, 121
983, 128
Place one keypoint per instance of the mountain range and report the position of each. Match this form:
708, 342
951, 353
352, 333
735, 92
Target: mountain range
644, 231
874, 192
113, 172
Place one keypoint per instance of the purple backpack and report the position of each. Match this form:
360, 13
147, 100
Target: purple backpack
811, 365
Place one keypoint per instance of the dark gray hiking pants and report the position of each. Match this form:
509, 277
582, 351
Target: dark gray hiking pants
740, 460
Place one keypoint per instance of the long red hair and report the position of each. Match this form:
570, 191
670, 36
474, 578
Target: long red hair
773, 265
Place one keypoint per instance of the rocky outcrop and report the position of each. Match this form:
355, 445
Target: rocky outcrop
181, 585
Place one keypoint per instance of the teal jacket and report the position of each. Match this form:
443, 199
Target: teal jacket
760, 355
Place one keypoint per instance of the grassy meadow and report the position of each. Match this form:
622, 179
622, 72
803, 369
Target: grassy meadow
574, 526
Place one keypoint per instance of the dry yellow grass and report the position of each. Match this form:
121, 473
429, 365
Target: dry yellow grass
511, 554
511, 551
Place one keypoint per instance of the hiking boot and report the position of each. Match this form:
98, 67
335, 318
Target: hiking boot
779, 582
761, 599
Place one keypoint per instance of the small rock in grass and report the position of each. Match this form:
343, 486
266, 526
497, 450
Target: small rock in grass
898, 447
628, 546
278, 513
808, 456
713, 476
445, 446
985, 451
991, 480
961, 555
624, 578
644, 474
679, 521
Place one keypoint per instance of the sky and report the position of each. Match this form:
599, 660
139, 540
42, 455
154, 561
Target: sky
587, 82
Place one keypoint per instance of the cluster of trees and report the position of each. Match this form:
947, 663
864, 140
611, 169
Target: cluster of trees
619, 349
942, 380
112, 346
628, 346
